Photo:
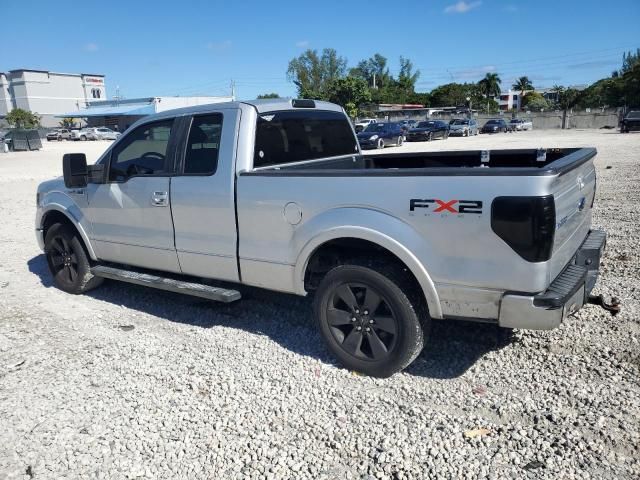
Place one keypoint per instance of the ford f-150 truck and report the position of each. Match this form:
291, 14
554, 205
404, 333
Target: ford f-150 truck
276, 194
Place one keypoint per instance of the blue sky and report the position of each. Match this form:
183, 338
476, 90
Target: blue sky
197, 47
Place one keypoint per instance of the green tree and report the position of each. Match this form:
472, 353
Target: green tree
20, 118
535, 102
67, 123
374, 71
522, 85
567, 99
269, 95
490, 87
313, 73
350, 92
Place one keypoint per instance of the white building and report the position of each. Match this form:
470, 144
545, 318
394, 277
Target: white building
119, 114
48, 94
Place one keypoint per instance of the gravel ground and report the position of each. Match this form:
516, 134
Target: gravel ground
129, 382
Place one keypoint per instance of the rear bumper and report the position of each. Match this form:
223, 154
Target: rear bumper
566, 294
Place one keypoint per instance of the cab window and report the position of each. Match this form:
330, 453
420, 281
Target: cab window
203, 145
294, 136
142, 152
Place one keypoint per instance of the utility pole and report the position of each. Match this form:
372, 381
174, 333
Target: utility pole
374, 80
233, 89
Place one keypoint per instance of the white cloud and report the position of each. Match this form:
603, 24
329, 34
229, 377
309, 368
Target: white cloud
219, 46
302, 44
462, 7
91, 47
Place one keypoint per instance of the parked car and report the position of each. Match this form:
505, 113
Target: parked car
463, 127
104, 133
59, 134
277, 195
428, 130
83, 134
362, 124
630, 122
519, 124
495, 125
379, 135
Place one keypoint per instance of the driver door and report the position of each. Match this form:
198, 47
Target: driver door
130, 213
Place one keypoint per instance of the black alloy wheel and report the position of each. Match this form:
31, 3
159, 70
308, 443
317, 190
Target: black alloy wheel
68, 261
371, 318
362, 322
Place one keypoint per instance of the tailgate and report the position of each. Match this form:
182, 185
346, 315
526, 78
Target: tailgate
573, 193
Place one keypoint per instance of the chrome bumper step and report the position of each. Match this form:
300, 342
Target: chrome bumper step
169, 284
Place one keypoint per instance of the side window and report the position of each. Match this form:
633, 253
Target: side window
142, 152
296, 135
203, 145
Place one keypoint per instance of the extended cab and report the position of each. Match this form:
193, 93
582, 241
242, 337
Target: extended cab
276, 194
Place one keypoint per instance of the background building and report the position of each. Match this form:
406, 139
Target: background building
120, 114
48, 93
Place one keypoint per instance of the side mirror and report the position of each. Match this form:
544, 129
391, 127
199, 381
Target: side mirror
74, 169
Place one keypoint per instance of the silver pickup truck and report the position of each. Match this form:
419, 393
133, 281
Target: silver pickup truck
276, 194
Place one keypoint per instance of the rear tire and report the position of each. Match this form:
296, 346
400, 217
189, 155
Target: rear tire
387, 333
429, 137
400, 141
68, 261
83, 138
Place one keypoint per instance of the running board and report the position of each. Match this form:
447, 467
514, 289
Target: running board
169, 284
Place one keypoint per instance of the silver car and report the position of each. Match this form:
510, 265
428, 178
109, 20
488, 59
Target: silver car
463, 127
104, 133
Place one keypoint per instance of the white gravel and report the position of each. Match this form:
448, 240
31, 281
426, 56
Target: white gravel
247, 390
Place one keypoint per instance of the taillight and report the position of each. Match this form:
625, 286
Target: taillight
526, 224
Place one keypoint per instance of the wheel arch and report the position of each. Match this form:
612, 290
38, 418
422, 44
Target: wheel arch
57, 213
365, 238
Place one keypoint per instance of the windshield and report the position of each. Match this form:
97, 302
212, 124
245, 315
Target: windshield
515, 120
375, 127
426, 124
491, 122
460, 122
634, 114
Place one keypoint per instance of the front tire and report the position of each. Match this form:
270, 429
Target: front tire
429, 137
400, 141
68, 261
380, 144
368, 319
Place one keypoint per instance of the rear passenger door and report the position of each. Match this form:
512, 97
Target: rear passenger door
203, 201
130, 214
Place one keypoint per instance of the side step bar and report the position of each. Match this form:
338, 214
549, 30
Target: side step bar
178, 286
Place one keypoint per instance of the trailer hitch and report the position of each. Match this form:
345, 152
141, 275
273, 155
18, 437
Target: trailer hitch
613, 308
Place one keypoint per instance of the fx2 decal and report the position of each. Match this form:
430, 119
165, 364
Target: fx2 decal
435, 205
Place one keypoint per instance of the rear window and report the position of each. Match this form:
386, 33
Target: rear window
294, 136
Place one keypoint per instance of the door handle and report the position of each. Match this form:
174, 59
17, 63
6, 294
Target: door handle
160, 199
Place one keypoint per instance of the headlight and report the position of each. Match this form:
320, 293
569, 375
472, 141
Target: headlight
373, 137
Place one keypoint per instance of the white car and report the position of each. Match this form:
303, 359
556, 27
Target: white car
104, 133
364, 123
518, 124
83, 134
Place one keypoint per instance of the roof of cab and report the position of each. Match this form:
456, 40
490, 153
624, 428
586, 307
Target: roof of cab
261, 105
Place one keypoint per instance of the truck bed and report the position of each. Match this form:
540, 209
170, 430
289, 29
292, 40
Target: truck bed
469, 162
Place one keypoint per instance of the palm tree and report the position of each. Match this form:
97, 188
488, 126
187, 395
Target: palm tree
490, 86
522, 85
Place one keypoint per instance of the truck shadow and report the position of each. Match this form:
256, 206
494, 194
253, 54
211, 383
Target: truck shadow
452, 347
